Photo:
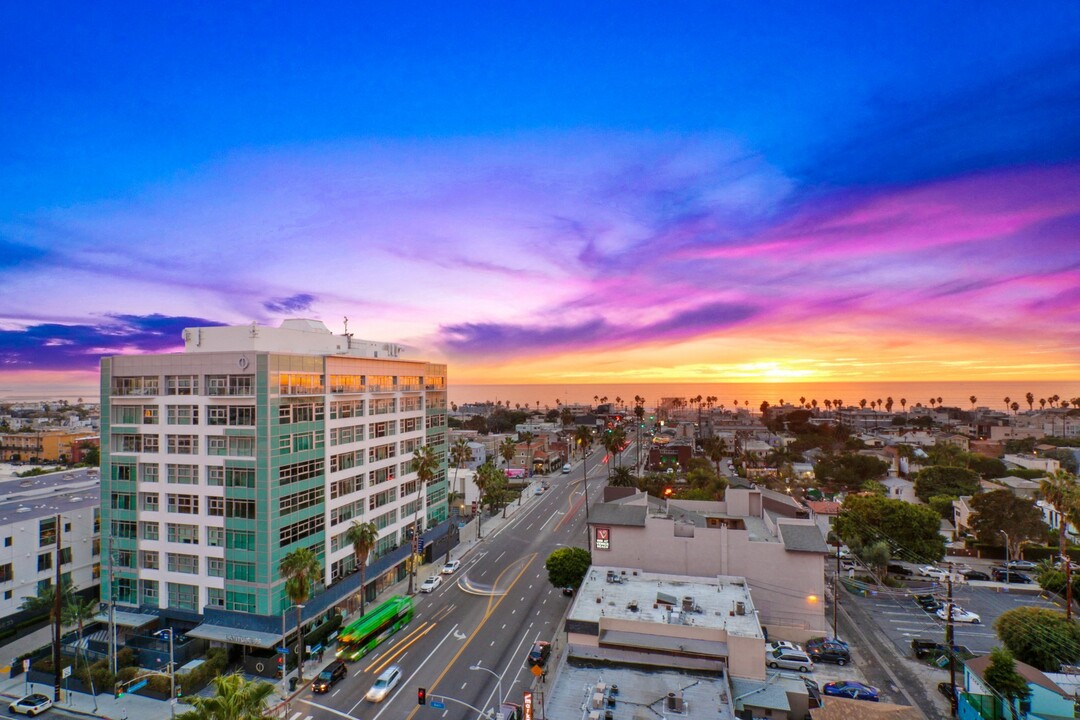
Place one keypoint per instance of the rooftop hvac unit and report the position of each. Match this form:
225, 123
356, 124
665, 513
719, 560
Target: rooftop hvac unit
674, 702
740, 608
688, 604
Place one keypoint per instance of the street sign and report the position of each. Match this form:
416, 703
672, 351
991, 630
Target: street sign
283, 651
437, 704
26, 664
536, 670
138, 686
66, 672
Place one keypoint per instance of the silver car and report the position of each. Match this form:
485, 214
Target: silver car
789, 659
384, 684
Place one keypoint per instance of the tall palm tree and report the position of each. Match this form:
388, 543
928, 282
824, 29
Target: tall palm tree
363, 537
622, 477
903, 404
459, 455
1007, 401
1015, 407
425, 463
77, 612
1062, 492
234, 698
1030, 397
300, 568
507, 450
583, 436
715, 449
45, 601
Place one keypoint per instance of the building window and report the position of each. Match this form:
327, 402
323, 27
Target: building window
300, 384
182, 474
244, 572
148, 472
149, 560
242, 446
297, 531
148, 590
150, 502
240, 540
217, 445
181, 384
123, 501
183, 597
7, 574
215, 567
182, 444
215, 597
240, 477
297, 472
187, 564
244, 509
215, 537
183, 504
186, 534
215, 506
129, 386
150, 530
242, 415
44, 562
215, 476
183, 414
300, 501
7, 541
47, 532
217, 415
240, 602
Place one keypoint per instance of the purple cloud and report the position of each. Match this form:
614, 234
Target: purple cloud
291, 304
52, 346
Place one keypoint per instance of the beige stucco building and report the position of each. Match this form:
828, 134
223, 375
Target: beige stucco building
781, 558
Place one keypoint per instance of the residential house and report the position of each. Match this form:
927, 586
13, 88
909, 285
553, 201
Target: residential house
1048, 700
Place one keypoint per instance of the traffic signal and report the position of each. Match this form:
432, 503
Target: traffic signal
421, 696
118, 691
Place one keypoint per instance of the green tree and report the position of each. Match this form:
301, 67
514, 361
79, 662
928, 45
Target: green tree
425, 463
507, 450
715, 449
866, 519
947, 454
459, 455
567, 566
92, 456
1002, 676
1040, 637
300, 568
622, 477
44, 603
78, 611
943, 505
945, 480
876, 555
1061, 491
848, 471
362, 537
998, 512
234, 698
567, 417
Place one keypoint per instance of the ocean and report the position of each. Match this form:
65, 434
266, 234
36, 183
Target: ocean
956, 394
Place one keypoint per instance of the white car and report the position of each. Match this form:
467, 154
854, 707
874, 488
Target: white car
431, 584
384, 684
933, 572
772, 647
451, 567
31, 705
566, 469
959, 615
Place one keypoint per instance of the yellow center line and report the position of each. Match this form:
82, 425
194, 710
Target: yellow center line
487, 614
395, 644
401, 649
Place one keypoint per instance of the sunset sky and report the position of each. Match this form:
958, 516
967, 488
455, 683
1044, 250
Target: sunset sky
549, 192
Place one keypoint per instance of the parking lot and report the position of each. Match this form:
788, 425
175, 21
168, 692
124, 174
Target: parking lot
902, 620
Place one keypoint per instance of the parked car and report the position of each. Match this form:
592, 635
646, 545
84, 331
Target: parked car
781, 645
31, 705
1009, 576
333, 672
431, 584
925, 649
1021, 565
929, 603
851, 689
385, 683
935, 573
899, 570
830, 653
451, 567
566, 469
946, 689
959, 614
976, 575
789, 660
822, 642
538, 654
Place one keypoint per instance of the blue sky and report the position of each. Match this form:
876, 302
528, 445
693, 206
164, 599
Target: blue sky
529, 164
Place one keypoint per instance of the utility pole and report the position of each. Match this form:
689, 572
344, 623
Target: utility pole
585, 482
58, 593
835, 594
949, 643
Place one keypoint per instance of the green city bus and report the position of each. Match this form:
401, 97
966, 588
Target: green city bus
362, 636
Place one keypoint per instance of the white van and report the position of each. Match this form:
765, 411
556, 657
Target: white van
789, 660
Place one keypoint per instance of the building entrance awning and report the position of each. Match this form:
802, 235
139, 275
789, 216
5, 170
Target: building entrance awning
128, 619
237, 636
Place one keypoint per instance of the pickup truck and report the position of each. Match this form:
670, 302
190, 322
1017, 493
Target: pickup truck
930, 649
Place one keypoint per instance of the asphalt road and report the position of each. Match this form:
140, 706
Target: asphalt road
487, 614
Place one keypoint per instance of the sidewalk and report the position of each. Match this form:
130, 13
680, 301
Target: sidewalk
144, 708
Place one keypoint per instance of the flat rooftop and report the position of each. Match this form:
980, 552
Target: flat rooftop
641, 695
715, 600
44, 495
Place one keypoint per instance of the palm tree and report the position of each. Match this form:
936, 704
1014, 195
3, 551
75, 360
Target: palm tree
862, 403
1015, 407
715, 448
300, 568
903, 404
45, 601
507, 450
1062, 492
932, 402
363, 537
583, 436
1030, 397
1007, 401
425, 465
234, 698
459, 455
622, 477
77, 612
1042, 403
566, 416
482, 480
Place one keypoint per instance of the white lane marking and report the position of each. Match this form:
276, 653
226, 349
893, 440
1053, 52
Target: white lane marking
408, 681
326, 708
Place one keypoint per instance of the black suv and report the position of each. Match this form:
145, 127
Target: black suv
331, 674
828, 650
539, 653
931, 649
929, 603
1009, 576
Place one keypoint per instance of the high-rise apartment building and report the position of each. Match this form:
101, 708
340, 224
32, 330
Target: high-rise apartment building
253, 442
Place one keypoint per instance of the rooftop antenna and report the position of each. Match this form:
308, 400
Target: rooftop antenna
348, 335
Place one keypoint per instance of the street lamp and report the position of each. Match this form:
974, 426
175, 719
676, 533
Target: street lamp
284, 650
172, 673
498, 678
